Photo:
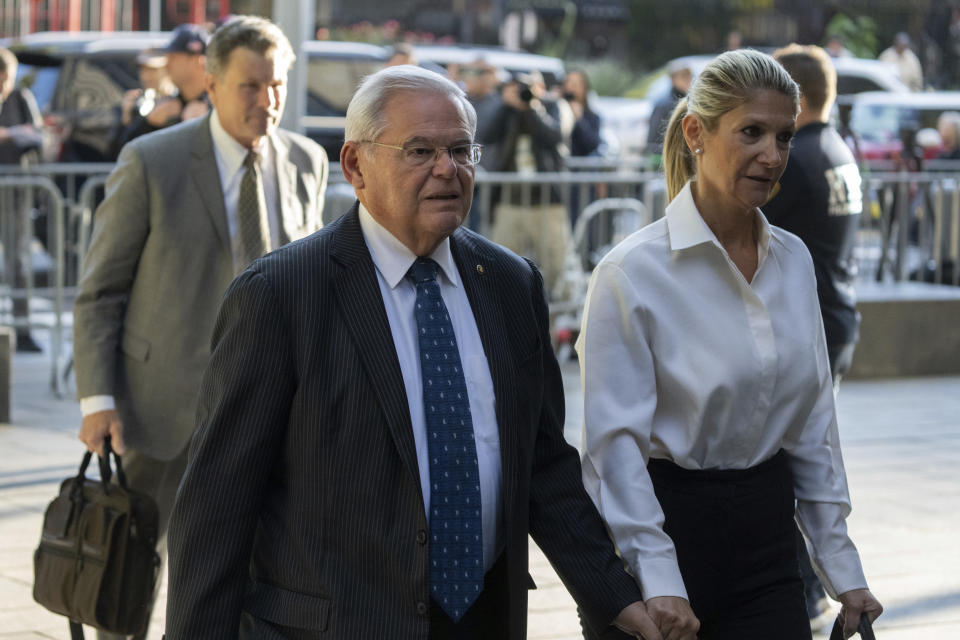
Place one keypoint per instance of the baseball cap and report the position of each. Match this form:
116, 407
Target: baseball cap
188, 38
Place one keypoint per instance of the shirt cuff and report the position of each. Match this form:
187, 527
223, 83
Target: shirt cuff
842, 572
661, 578
93, 404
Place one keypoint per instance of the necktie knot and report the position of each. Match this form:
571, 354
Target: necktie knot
423, 270
252, 159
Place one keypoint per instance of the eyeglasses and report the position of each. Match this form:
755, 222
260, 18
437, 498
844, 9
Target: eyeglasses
417, 155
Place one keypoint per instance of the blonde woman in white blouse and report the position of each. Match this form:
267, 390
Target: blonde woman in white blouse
709, 411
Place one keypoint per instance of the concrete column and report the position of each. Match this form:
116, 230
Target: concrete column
8, 344
296, 18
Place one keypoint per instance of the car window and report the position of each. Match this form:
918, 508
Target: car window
331, 83
41, 81
876, 122
856, 84
96, 84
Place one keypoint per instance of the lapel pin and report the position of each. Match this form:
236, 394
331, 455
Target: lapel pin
480, 269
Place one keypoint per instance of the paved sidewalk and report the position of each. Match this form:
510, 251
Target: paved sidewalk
901, 443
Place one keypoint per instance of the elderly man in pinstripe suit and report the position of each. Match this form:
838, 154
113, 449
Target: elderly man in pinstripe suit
325, 494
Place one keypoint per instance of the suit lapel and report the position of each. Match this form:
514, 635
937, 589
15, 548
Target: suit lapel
203, 170
360, 300
479, 274
291, 213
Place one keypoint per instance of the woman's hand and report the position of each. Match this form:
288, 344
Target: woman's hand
855, 603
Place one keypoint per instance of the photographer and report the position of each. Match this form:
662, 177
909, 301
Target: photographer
21, 140
186, 69
530, 218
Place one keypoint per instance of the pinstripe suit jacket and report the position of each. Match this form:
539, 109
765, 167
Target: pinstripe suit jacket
301, 512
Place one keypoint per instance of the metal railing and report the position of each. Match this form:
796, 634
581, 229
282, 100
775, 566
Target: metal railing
910, 227
29, 187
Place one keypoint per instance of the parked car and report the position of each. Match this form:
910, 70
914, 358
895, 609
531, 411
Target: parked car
882, 121
623, 124
79, 79
334, 70
509, 60
854, 75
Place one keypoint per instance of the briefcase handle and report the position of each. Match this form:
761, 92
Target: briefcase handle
106, 473
865, 629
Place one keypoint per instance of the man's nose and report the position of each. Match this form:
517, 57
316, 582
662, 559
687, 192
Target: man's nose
268, 98
443, 164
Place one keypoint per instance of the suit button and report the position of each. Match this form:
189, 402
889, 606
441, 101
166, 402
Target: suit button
421, 537
422, 608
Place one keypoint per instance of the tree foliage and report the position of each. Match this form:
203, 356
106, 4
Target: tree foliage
661, 31
859, 34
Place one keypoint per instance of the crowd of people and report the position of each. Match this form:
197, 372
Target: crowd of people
353, 430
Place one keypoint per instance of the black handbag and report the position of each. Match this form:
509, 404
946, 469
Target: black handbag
97, 562
865, 629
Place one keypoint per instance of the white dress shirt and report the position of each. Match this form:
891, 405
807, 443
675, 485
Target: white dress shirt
683, 359
393, 259
229, 155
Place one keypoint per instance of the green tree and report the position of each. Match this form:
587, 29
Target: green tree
859, 34
661, 31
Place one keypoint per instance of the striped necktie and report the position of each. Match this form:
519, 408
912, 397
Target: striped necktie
251, 212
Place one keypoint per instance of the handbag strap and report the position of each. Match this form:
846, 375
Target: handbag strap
76, 631
865, 629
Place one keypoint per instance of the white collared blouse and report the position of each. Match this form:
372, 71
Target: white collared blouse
683, 359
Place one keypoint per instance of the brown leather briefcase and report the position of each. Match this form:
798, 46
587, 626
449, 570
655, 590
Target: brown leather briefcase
97, 562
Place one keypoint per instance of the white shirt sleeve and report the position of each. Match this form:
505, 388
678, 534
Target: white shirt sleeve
820, 484
618, 413
93, 404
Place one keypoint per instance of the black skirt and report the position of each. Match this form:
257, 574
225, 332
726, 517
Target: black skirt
736, 543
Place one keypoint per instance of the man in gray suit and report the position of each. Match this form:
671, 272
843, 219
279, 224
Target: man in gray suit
380, 426
186, 209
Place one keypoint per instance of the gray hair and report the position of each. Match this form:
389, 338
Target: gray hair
952, 120
729, 81
253, 32
365, 118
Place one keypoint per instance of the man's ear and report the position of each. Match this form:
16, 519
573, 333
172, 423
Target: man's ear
209, 82
350, 164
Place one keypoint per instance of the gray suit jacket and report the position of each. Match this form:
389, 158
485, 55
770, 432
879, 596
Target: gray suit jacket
158, 264
300, 514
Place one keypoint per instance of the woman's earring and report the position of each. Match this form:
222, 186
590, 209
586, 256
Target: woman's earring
698, 151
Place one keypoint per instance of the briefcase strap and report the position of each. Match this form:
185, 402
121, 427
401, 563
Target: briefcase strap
105, 471
76, 631
865, 629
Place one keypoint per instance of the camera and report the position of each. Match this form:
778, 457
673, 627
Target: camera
526, 94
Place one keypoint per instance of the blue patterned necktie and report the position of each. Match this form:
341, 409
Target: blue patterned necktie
456, 536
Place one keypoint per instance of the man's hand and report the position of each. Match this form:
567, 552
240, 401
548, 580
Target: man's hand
854, 603
511, 97
635, 620
194, 109
97, 426
577, 108
673, 617
165, 111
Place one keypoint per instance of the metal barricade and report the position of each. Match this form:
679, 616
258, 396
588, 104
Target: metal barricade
910, 229
910, 226
8, 186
